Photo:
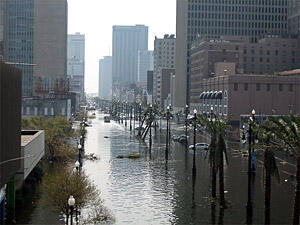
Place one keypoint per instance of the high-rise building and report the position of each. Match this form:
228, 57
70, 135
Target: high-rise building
2, 17
294, 17
145, 63
127, 41
164, 57
105, 78
76, 63
215, 18
36, 42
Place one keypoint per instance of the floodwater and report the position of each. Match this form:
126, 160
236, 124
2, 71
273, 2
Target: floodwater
150, 190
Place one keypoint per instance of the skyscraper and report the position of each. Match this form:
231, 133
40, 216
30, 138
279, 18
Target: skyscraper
215, 18
36, 42
145, 63
127, 41
105, 78
164, 57
76, 63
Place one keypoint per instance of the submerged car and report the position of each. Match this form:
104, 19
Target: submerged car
200, 146
175, 138
183, 139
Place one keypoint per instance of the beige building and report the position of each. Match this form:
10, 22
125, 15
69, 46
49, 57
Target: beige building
234, 95
164, 57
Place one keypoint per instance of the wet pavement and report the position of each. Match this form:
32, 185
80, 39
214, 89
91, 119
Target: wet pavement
150, 190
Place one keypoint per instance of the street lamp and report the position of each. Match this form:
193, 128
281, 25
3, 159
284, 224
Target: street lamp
186, 123
77, 164
140, 112
130, 109
167, 134
79, 154
71, 202
194, 156
150, 142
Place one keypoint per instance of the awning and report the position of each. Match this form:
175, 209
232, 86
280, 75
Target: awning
213, 96
209, 95
219, 95
202, 95
205, 95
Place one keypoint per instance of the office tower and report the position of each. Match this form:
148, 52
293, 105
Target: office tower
294, 17
215, 18
2, 17
150, 82
76, 63
127, 41
105, 78
164, 57
36, 42
163, 79
145, 63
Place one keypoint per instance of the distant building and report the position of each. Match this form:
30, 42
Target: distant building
40, 50
2, 23
127, 41
105, 78
163, 85
150, 82
76, 63
164, 57
145, 63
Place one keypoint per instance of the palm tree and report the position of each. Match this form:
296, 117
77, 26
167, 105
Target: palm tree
286, 130
217, 150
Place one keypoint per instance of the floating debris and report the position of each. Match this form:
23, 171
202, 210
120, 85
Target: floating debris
106, 137
92, 157
130, 156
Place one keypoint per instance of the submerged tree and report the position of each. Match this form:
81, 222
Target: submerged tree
286, 131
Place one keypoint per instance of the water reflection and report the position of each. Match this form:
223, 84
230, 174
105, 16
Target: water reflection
153, 190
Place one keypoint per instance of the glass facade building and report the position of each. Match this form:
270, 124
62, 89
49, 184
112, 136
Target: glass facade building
19, 40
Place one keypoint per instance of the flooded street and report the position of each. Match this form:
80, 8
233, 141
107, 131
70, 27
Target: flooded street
150, 190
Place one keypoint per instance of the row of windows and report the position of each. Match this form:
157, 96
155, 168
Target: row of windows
242, 2
267, 87
46, 111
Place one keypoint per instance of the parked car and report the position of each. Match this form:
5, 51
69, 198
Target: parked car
200, 146
175, 138
183, 139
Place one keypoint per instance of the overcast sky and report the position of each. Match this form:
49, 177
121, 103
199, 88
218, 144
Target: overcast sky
95, 19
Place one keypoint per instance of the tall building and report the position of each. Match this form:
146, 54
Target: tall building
76, 63
215, 18
294, 17
105, 78
36, 42
127, 41
2, 17
145, 63
164, 57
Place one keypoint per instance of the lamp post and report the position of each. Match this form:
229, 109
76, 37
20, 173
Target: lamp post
170, 107
167, 134
194, 156
130, 111
251, 139
126, 111
186, 123
77, 165
150, 135
140, 111
71, 203
79, 155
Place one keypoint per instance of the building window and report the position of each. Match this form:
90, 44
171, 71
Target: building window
63, 111
268, 87
290, 87
225, 103
280, 87
52, 111
27, 110
46, 111
257, 87
236, 86
246, 87
35, 111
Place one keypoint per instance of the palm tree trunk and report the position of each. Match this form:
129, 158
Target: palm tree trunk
297, 195
213, 177
221, 178
267, 193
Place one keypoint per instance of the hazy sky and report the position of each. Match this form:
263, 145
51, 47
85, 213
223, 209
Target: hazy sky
95, 19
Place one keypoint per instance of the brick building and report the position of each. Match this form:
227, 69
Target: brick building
267, 56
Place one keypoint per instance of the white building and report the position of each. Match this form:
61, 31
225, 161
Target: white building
76, 63
145, 63
127, 41
164, 57
105, 78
